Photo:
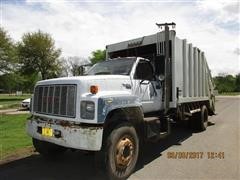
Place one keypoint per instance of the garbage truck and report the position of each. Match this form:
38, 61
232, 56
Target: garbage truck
124, 101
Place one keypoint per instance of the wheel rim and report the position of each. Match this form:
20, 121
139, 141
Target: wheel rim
124, 152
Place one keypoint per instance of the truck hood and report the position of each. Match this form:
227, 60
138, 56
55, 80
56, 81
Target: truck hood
105, 83
77, 79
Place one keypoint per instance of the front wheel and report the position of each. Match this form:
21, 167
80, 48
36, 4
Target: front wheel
122, 151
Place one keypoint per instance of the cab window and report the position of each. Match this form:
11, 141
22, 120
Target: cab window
144, 71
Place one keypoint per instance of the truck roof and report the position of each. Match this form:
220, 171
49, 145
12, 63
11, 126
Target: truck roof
141, 41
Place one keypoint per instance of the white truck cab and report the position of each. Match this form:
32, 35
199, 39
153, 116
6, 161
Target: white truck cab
109, 85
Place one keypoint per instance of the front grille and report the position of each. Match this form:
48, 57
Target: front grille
58, 100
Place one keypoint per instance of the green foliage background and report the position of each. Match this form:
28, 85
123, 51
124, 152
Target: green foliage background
23, 63
98, 56
37, 54
227, 83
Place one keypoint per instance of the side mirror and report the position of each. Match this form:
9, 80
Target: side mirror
161, 77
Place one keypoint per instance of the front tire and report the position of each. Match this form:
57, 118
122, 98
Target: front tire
122, 151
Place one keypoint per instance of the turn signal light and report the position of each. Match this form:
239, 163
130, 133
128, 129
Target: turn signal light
94, 89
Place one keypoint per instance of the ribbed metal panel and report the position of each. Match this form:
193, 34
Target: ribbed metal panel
203, 75
191, 71
185, 70
196, 74
160, 45
58, 100
199, 74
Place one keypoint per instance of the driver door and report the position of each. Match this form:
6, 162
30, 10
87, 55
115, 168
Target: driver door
146, 87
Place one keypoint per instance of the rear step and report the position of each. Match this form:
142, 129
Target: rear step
156, 127
163, 134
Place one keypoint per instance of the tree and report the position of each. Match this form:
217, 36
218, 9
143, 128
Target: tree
65, 67
98, 56
74, 65
29, 81
77, 65
237, 89
38, 54
11, 82
7, 52
225, 83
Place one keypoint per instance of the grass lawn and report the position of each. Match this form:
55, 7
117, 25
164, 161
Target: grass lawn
13, 136
11, 101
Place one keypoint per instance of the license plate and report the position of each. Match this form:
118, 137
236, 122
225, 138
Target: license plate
47, 132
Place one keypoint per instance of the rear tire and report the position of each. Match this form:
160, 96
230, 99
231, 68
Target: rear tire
122, 151
212, 109
48, 150
202, 119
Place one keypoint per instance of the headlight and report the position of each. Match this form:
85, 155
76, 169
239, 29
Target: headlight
87, 109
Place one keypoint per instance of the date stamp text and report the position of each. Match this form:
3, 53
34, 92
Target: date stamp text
195, 155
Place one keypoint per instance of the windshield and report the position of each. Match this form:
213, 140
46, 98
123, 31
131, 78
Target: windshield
118, 66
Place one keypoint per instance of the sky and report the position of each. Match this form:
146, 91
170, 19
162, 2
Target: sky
80, 27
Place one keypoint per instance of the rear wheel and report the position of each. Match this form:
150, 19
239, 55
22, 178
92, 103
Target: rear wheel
48, 150
202, 119
212, 109
122, 151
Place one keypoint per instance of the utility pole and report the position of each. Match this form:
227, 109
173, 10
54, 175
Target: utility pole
167, 68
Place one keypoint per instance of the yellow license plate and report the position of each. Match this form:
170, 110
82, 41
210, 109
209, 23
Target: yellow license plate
47, 131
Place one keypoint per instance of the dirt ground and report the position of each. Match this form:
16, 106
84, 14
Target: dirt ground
14, 111
19, 154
